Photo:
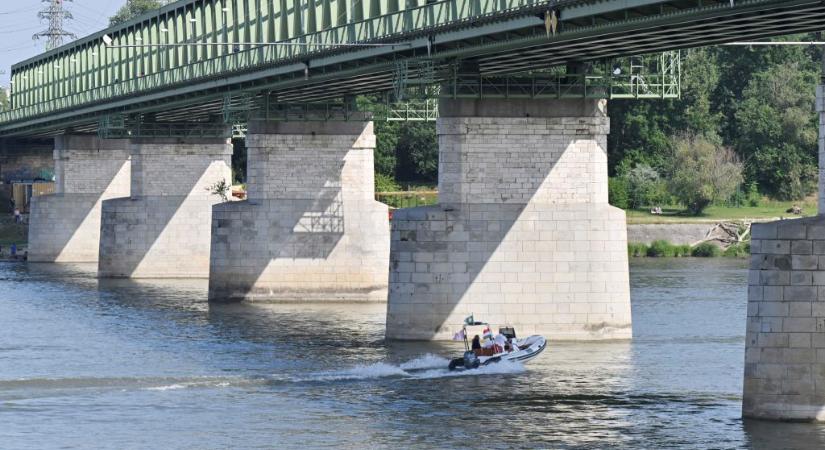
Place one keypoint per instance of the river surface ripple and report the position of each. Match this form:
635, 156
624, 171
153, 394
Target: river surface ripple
87, 363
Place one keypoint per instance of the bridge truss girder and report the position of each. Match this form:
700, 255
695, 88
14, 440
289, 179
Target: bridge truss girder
514, 42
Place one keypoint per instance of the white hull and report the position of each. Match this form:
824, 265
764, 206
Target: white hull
530, 347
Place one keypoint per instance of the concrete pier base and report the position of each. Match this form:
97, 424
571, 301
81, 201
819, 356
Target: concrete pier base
785, 336
163, 229
65, 226
311, 229
523, 234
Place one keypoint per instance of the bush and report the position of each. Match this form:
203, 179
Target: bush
682, 251
644, 186
636, 250
740, 250
617, 192
705, 250
753, 197
661, 249
703, 172
385, 183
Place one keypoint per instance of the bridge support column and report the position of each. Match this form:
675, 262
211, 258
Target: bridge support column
162, 230
785, 336
65, 226
523, 234
311, 229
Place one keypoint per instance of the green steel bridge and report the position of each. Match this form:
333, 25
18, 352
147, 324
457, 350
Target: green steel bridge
195, 63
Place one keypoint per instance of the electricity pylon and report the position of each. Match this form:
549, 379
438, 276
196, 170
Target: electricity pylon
54, 14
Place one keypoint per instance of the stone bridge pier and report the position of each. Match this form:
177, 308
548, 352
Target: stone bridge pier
162, 230
785, 334
523, 234
65, 226
310, 229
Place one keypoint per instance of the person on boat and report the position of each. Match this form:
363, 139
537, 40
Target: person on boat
498, 343
513, 345
476, 343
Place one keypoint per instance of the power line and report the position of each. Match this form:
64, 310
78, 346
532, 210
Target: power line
54, 14
3, 13
18, 30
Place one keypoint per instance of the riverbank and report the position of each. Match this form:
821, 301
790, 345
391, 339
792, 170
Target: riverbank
13, 233
767, 210
665, 249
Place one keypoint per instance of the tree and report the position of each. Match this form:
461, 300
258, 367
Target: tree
777, 130
134, 8
644, 187
417, 151
641, 129
386, 136
703, 172
4, 100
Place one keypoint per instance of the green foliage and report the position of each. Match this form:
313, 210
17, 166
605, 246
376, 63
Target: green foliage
134, 8
703, 172
705, 250
220, 188
636, 249
666, 249
385, 183
644, 186
386, 135
410, 199
417, 152
660, 249
4, 101
740, 250
404, 150
758, 101
778, 130
753, 197
642, 130
238, 161
617, 192
683, 250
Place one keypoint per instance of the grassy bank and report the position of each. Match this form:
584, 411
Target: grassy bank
766, 210
664, 249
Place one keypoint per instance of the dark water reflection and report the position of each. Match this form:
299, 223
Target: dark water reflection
137, 364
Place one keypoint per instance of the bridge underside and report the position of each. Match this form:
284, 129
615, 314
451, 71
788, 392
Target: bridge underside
507, 44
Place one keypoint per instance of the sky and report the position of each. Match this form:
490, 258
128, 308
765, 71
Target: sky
19, 21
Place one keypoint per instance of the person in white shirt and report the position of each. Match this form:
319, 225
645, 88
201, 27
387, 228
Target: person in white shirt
500, 341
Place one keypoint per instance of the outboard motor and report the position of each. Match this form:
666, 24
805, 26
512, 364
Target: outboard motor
471, 360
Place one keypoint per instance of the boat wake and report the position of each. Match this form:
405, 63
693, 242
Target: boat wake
425, 367
22, 388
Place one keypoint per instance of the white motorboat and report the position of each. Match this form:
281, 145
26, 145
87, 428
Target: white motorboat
502, 348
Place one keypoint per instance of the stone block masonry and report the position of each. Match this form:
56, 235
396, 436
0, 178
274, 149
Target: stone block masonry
523, 234
785, 334
65, 226
311, 229
163, 229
